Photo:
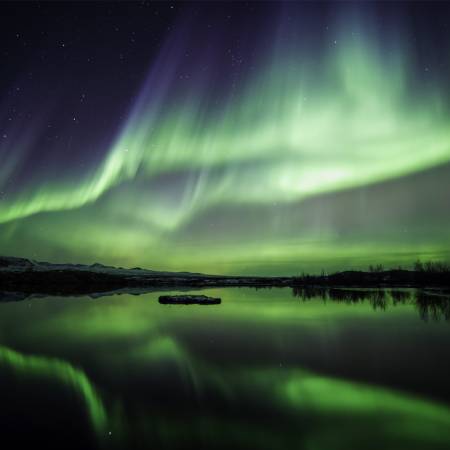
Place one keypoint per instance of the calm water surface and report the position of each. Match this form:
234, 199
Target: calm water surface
266, 369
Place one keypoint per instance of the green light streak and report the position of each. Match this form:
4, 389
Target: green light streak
288, 134
302, 125
312, 392
63, 372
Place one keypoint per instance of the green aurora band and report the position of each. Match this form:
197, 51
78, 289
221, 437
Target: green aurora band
28, 367
299, 128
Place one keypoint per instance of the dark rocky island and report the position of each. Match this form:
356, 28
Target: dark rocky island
188, 300
20, 278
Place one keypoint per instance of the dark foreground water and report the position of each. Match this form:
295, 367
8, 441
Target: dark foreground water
266, 369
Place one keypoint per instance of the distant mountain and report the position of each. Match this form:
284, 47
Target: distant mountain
21, 277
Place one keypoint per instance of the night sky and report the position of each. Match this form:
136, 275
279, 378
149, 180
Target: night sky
235, 137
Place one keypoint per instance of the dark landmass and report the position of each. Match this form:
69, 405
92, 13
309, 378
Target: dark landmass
20, 278
430, 303
188, 300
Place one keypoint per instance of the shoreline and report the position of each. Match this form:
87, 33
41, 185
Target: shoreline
20, 275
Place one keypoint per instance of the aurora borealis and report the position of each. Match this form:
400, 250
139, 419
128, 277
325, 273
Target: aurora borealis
246, 138
234, 137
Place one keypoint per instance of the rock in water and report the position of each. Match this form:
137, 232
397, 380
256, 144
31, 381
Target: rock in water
188, 300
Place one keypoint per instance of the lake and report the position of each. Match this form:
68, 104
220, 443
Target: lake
265, 369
